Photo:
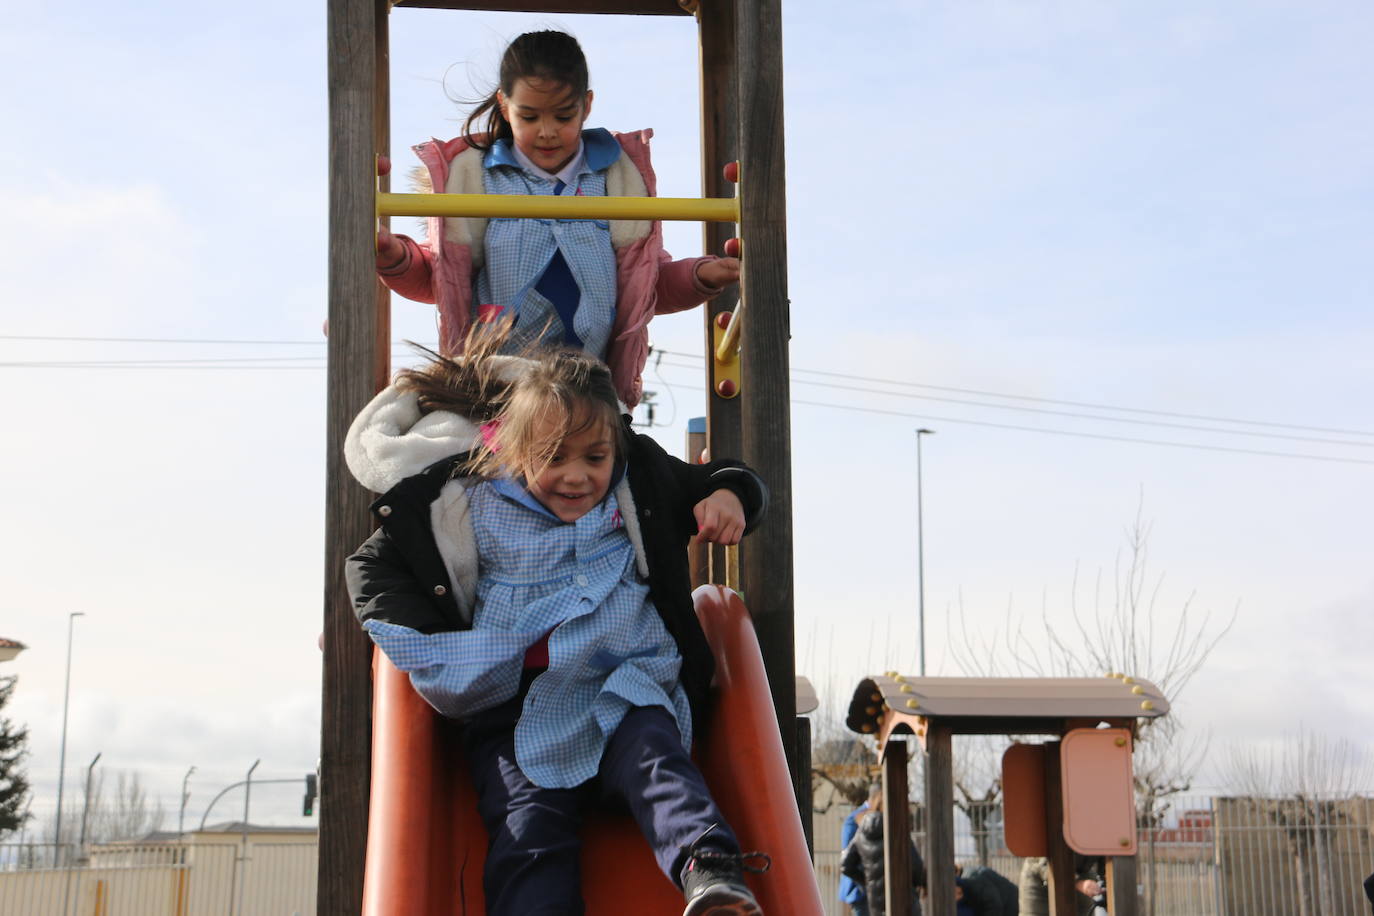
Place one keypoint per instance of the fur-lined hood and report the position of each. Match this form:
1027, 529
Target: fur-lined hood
391, 439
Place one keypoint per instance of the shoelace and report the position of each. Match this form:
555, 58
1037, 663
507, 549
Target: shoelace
738, 858
696, 854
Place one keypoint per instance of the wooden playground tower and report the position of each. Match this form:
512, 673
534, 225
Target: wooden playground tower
742, 119
1071, 794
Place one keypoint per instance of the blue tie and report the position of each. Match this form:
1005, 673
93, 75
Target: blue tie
559, 286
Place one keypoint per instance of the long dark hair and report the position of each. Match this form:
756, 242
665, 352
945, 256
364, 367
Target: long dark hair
548, 55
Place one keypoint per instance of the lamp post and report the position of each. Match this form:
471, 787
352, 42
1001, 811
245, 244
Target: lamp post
62, 755
920, 554
185, 796
243, 870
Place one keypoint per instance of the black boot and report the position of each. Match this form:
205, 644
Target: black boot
713, 882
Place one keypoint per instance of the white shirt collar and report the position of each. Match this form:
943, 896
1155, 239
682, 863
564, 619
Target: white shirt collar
565, 174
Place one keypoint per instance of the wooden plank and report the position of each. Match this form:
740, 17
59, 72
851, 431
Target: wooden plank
1122, 899
357, 38
1062, 895
719, 145
896, 828
631, 7
801, 783
698, 558
940, 821
766, 573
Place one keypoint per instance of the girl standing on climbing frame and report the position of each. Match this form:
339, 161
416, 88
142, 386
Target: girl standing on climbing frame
530, 575
589, 284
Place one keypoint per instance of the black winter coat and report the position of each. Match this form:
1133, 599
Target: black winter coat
989, 893
863, 863
398, 575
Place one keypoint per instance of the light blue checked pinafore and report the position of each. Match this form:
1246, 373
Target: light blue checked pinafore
519, 251
608, 648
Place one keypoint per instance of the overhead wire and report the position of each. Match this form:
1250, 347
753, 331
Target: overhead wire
854, 408
1078, 416
1067, 403
694, 362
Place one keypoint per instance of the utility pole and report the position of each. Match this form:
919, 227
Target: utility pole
62, 755
921, 553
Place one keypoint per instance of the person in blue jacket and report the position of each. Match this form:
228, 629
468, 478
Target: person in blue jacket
851, 891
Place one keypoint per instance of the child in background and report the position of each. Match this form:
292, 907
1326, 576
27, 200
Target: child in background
852, 892
530, 575
589, 284
864, 862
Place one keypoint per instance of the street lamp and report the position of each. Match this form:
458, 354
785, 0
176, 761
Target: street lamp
62, 755
181, 815
920, 554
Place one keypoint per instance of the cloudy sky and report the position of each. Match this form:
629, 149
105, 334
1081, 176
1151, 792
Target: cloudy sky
1117, 255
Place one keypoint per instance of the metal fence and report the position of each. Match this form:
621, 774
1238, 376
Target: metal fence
159, 879
1207, 857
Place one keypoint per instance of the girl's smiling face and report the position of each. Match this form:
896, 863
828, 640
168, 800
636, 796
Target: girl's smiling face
545, 120
578, 474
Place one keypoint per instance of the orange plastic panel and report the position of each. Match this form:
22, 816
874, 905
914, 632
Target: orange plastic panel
1023, 799
426, 843
744, 764
1099, 800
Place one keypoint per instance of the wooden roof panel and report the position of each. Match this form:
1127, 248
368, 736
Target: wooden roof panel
1002, 698
807, 701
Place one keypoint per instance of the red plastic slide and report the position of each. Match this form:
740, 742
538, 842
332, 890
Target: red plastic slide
426, 843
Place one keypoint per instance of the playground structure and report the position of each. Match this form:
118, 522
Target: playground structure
398, 830
741, 85
1074, 794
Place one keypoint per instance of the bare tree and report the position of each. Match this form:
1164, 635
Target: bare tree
1118, 628
844, 764
1121, 630
128, 814
842, 769
978, 787
1303, 789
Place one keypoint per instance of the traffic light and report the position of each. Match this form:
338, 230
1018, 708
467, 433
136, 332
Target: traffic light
312, 789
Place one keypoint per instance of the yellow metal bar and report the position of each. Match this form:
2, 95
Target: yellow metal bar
727, 348
522, 206
725, 371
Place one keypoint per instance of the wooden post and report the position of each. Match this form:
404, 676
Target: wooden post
698, 560
939, 819
358, 346
1060, 872
766, 570
719, 145
896, 826
802, 783
1122, 899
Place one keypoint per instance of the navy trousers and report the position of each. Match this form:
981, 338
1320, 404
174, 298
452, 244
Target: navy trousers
533, 857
